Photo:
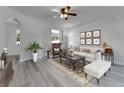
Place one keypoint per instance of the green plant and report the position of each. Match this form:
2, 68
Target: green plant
104, 44
33, 47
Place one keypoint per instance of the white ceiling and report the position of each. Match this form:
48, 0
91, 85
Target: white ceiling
84, 13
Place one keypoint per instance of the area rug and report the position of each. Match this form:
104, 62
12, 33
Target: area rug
84, 82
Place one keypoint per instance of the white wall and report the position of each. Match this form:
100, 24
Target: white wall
112, 32
2, 29
31, 30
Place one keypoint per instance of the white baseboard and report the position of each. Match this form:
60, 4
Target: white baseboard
26, 59
119, 63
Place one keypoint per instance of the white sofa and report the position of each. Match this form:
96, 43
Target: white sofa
90, 57
97, 69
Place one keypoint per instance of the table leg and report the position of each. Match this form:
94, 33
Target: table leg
97, 81
85, 75
102, 56
73, 66
105, 74
109, 69
113, 59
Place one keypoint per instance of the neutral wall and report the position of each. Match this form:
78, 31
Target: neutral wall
31, 30
56, 25
112, 32
2, 29
65, 38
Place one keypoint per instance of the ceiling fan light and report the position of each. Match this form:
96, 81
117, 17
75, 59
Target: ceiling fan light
65, 15
62, 16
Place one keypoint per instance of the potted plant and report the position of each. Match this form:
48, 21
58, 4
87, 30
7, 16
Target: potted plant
34, 47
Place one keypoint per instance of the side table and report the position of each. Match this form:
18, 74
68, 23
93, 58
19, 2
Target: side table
108, 57
47, 54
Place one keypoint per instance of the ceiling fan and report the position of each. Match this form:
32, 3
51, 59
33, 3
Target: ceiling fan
65, 12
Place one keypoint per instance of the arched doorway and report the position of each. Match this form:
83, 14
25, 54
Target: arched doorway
12, 26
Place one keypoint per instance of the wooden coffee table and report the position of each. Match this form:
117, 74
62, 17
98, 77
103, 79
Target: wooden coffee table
75, 60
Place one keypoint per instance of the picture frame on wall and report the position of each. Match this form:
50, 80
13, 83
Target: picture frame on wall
89, 34
96, 41
83, 41
82, 34
96, 33
89, 41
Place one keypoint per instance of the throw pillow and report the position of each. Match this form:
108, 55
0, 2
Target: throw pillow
86, 50
93, 50
56, 49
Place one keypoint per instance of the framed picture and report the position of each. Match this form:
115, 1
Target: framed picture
82, 34
88, 41
88, 34
83, 41
96, 33
96, 41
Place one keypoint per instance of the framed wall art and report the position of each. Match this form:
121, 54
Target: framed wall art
96, 33
96, 41
82, 34
89, 41
89, 34
83, 41
91, 37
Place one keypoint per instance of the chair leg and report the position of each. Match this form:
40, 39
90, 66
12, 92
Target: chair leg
109, 69
105, 74
85, 75
97, 81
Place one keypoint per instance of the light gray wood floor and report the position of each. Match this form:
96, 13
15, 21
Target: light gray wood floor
44, 74
40, 74
114, 78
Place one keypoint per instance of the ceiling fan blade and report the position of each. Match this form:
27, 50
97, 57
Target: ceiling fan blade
72, 14
68, 7
54, 10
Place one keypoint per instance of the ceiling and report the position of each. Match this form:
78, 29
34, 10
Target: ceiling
84, 13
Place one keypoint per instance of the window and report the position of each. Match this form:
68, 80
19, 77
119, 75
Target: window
56, 36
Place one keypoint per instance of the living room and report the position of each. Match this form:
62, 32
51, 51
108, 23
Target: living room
36, 23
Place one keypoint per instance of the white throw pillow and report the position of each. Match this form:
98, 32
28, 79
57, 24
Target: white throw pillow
56, 49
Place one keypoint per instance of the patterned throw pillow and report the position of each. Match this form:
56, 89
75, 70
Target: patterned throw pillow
81, 49
93, 50
86, 50
56, 49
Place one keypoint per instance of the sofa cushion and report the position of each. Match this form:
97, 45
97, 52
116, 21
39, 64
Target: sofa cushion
77, 49
86, 50
90, 55
93, 50
97, 68
84, 54
88, 59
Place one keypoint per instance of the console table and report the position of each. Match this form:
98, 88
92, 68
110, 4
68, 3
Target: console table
108, 57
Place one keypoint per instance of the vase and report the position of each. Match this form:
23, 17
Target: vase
35, 57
